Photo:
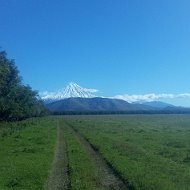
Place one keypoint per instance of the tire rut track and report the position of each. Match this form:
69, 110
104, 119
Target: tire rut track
59, 174
106, 175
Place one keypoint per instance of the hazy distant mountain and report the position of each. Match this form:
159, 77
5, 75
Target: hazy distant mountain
71, 90
95, 104
177, 108
157, 104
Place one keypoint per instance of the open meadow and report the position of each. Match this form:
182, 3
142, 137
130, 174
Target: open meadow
139, 152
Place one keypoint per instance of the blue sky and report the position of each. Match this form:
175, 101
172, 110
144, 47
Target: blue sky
118, 47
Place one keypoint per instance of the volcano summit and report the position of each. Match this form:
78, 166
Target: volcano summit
72, 90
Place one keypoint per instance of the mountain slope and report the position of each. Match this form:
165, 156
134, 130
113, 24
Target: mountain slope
94, 104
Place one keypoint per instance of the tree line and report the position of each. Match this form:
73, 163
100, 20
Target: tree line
121, 112
17, 101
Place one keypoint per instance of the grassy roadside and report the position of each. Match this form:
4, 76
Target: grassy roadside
26, 153
149, 151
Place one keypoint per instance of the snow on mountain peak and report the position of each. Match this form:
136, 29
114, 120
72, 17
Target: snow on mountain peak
71, 90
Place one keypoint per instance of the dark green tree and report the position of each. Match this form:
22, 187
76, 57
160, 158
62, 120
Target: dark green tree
17, 101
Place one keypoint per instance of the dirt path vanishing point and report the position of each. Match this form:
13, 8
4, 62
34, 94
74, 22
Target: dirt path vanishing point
58, 177
106, 176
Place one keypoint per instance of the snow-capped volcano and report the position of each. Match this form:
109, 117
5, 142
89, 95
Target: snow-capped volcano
71, 90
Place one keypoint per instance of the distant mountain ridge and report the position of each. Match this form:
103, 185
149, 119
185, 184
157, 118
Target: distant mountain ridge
94, 104
76, 98
157, 104
108, 105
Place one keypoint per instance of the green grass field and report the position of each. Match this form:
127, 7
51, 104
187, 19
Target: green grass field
142, 152
26, 153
